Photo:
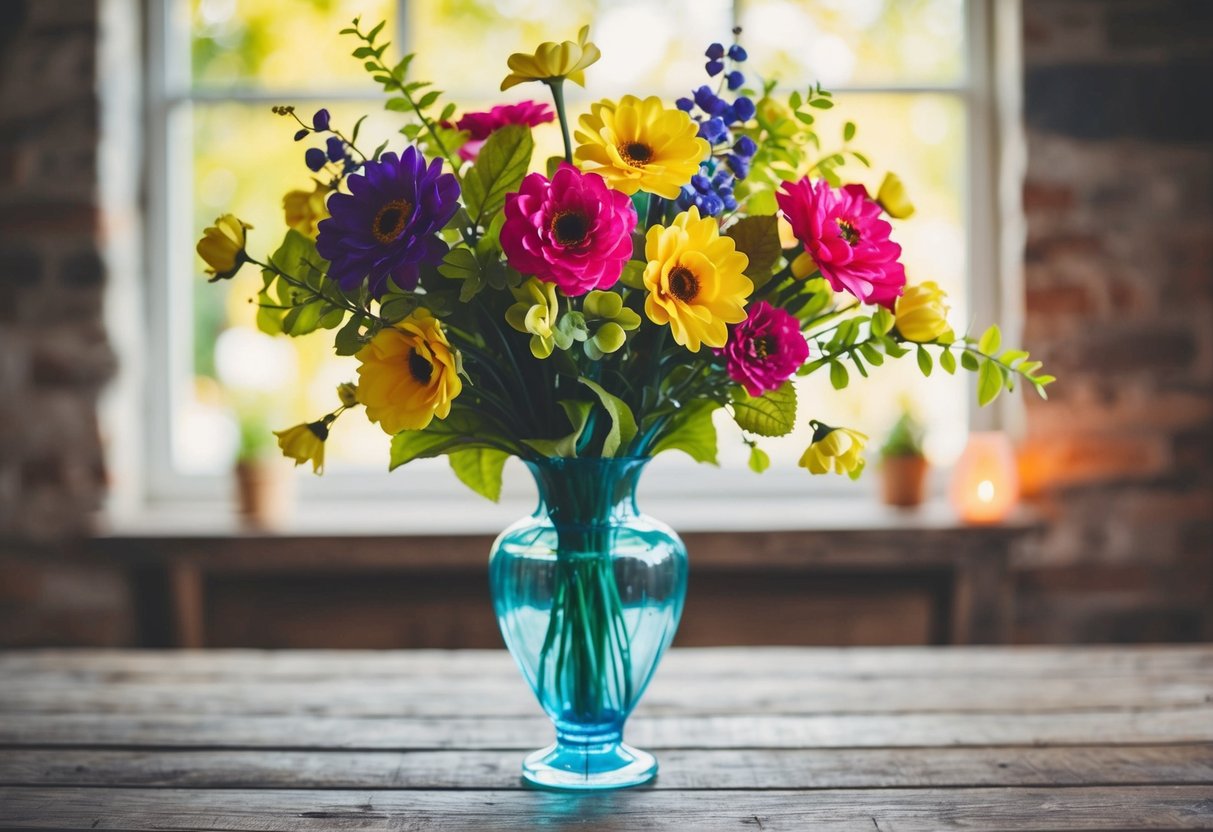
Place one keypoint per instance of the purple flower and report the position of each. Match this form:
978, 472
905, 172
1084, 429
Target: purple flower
715, 51
734, 79
765, 349
737, 53
320, 121
314, 158
744, 108
387, 225
336, 149
714, 67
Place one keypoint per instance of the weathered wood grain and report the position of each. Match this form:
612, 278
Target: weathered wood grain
754, 731
762, 768
434, 695
904, 810
81, 666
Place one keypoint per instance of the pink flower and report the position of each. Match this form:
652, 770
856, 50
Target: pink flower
842, 231
481, 125
765, 349
571, 230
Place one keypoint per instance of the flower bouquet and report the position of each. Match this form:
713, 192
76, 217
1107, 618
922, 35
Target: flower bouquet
676, 260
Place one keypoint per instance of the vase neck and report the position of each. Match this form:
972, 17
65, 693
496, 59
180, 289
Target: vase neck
587, 492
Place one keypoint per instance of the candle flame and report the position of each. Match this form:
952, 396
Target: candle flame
985, 491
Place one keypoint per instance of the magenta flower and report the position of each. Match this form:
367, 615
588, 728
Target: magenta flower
481, 125
842, 231
765, 349
571, 230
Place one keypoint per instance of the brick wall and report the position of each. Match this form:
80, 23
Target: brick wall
54, 354
1119, 298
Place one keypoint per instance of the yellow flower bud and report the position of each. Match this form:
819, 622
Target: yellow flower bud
305, 443
892, 197
305, 209
835, 449
535, 312
551, 61
222, 247
921, 313
347, 392
803, 265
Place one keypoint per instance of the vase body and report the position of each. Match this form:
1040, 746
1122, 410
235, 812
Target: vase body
588, 592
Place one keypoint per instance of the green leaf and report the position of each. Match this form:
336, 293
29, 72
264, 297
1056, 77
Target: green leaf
303, 319
990, 340
821, 103
839, 378
771, 414
692, 431
460, 430
871, 353
480, 470
633, 274
428, 99
357, 128
882, 321
848, 131
757, 237
461, 264
269, 320
759, 459
499, 168
989, 383
348, 339
925, 364
578, 412
968, 361
623, 423
947, 361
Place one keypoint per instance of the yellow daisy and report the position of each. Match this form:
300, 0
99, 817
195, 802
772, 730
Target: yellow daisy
409, 374
552, 61
695, 281
640, 145
305, 443
834, 449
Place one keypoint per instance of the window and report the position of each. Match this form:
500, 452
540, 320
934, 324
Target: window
912, 73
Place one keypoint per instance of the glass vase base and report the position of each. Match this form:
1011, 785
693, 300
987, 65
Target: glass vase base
572, 768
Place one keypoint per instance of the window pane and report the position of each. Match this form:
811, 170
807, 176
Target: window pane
648, 46
856, 42
244, 161
281, 44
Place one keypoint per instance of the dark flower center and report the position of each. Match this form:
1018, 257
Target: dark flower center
390, 221
683, 284
847, 229
764, 346
421, 369
636, 154
570, 228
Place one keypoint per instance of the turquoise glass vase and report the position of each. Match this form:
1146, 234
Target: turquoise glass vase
588, 592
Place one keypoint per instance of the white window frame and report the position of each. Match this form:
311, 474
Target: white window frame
988, 90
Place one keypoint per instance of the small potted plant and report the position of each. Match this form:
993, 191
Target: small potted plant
903, 468
263, 482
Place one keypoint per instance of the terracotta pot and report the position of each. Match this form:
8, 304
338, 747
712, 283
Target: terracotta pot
265, 493
904, 480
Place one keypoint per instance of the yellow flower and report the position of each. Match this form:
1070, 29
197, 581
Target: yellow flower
921, 313
305, 209
695, 281
834, 449
552, 61
409, 374
222, 247
892, 197
640, 145
535, 312
305, 443
347, 392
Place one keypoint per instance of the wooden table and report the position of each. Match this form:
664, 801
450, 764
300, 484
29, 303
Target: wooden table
771, 739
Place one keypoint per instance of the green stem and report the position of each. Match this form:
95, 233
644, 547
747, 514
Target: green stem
557, 88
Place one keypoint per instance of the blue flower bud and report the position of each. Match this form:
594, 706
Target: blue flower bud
730, 203
336, 149
734, 79
714, 67
314, 158
701, 183
685, 104
715, 51
721, 179
744, 108
320, 121
745, 147
737, 53
739, 166
302, 134
685, 198
712, 205
713, 131
705, 98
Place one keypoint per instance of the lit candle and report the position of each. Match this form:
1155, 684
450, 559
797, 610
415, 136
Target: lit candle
985, 484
